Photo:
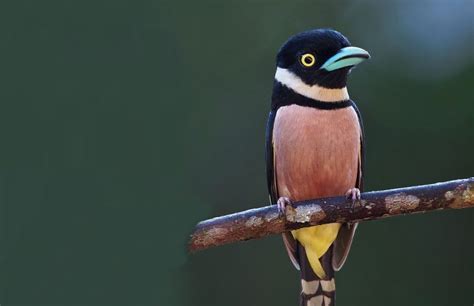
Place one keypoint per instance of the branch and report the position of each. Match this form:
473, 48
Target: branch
264, 221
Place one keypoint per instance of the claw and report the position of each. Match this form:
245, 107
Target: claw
282, 203
354, 195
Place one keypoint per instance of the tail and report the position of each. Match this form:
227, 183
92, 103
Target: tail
317, 291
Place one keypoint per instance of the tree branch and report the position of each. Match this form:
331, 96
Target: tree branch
264, 221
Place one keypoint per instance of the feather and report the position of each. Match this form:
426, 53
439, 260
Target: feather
288, 240
313, 153
343, 242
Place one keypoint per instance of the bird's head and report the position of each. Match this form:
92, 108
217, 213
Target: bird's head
321, 57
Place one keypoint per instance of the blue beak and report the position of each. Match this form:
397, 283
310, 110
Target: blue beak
348, 56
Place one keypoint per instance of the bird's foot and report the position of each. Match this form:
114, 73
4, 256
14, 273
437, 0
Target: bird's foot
282, 203
354, 195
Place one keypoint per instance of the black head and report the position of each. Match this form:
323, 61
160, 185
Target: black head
320, 57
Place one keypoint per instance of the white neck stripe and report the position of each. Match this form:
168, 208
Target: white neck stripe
291, 80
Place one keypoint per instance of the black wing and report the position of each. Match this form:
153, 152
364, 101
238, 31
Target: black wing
271, 184
343, 242
290, 242
360, 178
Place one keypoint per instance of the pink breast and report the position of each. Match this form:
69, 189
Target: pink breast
316, 151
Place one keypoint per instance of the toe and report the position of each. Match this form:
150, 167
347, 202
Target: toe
350, 193
282, 203
353, 194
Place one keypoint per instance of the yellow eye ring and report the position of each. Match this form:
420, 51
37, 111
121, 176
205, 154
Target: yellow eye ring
308, 60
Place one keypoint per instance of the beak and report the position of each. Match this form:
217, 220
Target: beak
348, 56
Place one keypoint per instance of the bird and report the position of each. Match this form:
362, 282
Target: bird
314, 149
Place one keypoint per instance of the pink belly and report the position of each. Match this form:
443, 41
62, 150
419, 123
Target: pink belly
316, 151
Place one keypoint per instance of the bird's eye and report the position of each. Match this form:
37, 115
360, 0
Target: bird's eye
308, 60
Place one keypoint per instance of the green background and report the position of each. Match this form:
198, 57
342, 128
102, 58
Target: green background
123, 123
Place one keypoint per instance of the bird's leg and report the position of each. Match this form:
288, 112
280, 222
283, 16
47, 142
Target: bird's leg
282, 203
354, 195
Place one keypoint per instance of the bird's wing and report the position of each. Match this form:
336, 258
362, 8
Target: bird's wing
271, 177
343, 242
289, 241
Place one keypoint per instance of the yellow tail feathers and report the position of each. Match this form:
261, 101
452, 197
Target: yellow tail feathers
316, 240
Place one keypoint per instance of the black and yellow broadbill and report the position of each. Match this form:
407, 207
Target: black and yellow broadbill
314, 148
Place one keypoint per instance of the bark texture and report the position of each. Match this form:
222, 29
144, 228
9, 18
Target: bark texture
264, 221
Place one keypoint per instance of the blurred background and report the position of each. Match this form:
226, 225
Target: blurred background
124, 123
